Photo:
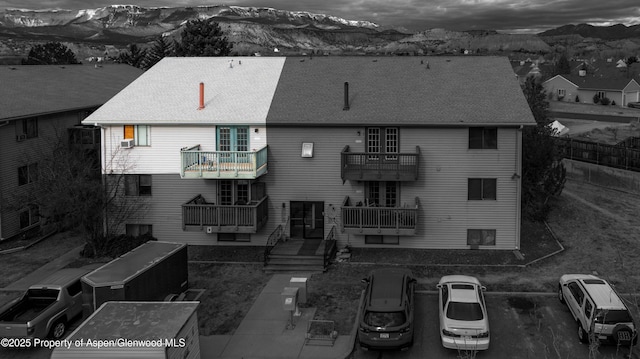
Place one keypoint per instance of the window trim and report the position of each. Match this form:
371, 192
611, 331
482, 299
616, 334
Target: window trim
482, 234
27, 174
140, 133
137, 178
483, 189
485, 142
34, 216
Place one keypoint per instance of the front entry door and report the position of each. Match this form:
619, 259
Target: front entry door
307, 220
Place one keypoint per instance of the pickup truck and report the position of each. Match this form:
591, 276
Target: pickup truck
46, 308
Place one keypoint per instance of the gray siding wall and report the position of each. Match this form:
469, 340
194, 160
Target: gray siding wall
446, 164
445, 213
14, 154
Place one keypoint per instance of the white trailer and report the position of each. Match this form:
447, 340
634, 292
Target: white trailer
146, 330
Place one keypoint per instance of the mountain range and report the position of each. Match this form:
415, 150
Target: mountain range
91, 32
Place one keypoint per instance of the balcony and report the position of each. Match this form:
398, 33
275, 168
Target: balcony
222, 164
379, 167
397, 221
239, 218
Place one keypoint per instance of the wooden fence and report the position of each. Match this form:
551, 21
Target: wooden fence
618, 156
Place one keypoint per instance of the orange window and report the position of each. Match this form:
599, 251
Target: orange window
128, 131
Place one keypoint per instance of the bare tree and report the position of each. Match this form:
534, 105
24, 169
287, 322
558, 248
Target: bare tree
69, 192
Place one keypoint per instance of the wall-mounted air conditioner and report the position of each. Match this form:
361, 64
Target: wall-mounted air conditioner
126, 143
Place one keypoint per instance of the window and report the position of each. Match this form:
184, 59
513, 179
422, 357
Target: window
137, 185
482, 189
383, 140
26, 128
483, 138
233, 138
234, 237
382, 194
139, 133
561, 93
481, 237
577, 292
236, 192
376, 239
588, 309
27, 174
601, 94
29, 217
75, 288
136, 230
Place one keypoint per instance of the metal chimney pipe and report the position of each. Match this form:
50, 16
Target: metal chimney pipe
201, 96
346, 97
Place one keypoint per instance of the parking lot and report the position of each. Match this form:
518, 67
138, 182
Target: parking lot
523, 326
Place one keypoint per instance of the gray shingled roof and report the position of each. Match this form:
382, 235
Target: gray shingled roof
598, 82
40, 89
474, 90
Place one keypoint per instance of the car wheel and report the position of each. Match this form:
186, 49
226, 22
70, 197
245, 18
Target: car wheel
58, 329
560, 296
582, 335
623, 335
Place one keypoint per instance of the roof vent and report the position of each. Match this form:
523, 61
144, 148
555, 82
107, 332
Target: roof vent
346, 97
201, 96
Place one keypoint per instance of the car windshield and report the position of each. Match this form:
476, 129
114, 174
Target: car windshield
385, 319
464, 311
613, 316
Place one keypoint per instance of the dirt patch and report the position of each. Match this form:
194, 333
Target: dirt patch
612, 134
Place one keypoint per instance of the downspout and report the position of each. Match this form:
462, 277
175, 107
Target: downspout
518, 178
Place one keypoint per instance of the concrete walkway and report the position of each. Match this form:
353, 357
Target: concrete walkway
41, 273
263, 332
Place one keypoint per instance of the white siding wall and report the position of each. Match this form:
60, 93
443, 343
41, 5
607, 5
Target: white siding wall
163, 155
571, 90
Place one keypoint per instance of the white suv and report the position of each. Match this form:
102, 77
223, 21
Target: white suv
600, 312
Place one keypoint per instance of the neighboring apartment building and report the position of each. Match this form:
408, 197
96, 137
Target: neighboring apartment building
38, 104
417, 152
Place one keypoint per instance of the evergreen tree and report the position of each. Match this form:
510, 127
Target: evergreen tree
543, 175
562, 66
203, 38
51, 53
160, 48
133, 56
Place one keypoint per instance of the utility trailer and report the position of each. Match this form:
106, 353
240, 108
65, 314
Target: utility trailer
149, 330
150, 272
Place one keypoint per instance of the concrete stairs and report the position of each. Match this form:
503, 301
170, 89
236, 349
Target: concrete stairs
296, 255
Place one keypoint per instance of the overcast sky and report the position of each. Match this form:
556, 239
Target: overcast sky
416, 15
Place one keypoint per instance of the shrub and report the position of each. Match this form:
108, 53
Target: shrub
613, 103
596, 98
605, 101
577, 98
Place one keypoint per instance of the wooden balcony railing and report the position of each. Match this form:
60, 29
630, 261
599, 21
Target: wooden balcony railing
222, 164
379, 220
248, 218
379, 166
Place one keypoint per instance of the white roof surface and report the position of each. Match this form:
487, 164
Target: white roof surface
169, 92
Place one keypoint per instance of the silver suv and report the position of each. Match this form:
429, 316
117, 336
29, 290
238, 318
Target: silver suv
596, 306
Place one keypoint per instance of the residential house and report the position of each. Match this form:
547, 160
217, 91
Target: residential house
39, 104
620, 84
414, 152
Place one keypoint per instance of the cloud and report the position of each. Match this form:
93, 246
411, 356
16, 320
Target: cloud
418, 15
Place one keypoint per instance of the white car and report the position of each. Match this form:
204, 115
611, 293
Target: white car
464, 324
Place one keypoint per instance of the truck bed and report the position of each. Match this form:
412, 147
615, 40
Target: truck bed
26, 309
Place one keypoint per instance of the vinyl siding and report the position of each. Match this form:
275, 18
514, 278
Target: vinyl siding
446, 164
558, 82
163, 154
14, 154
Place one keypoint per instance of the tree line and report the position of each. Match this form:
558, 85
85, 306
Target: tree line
198, 38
